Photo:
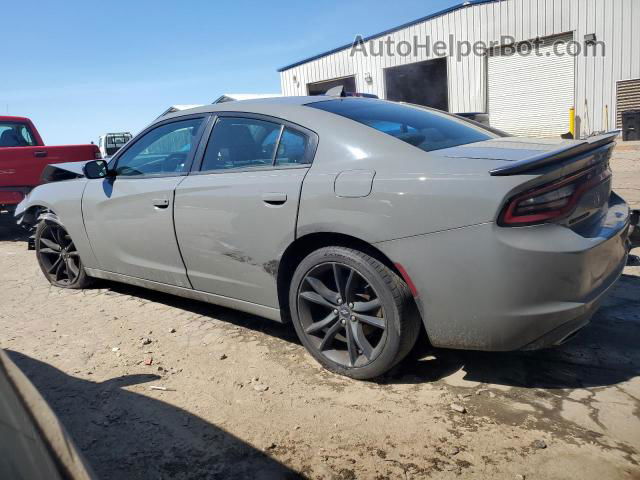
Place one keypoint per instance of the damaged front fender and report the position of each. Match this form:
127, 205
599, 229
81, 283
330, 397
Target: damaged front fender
64, 200
57, 172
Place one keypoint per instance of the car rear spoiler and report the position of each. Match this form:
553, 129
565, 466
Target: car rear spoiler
556, 156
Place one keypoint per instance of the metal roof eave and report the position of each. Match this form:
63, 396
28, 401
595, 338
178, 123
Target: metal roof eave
469, 3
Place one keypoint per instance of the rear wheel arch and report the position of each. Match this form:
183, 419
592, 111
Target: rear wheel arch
355, 315
306, 244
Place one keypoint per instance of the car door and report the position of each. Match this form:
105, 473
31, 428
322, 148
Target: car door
237, 211
129, 216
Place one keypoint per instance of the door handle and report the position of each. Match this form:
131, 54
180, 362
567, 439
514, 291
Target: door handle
161, 202
274, 198
40, 154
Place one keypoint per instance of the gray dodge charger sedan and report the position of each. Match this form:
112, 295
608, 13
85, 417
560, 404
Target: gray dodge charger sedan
358, 220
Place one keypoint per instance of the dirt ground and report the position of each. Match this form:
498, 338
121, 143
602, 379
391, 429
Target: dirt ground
244, 399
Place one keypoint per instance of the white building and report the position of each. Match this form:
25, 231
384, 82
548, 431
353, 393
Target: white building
586, 56
232, 97
225, 97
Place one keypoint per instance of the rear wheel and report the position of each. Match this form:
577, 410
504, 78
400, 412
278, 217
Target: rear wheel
353, 313
58, 256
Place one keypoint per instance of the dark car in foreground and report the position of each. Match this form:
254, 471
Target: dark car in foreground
359, 220
33, 443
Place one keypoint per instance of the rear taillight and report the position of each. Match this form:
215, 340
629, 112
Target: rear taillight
98, 155
552, 201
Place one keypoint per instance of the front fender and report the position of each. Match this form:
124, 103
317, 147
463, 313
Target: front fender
21, 208
65, 200
27, 211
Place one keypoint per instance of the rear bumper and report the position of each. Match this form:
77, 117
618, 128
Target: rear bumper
561, 334
486, 287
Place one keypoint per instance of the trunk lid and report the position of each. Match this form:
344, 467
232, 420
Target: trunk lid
514, 155
543, 164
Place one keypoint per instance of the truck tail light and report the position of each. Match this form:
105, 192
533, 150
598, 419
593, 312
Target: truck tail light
552, 201
98, 155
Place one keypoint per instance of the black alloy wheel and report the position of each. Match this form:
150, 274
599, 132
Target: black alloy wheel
342, 315
58, 256
353, 313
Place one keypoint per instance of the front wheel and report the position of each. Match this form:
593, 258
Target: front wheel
352, 313
58, 257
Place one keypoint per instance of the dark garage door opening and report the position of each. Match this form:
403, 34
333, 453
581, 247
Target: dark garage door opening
320, 88
424, 83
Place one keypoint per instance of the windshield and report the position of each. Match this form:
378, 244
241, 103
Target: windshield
424, 128
13, 134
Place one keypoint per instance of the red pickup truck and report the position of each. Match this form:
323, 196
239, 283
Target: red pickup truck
23, 156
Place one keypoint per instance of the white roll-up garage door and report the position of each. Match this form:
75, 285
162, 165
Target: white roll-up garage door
531, 95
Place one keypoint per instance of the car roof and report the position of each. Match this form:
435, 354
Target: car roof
292, 109
267, 106
9, 118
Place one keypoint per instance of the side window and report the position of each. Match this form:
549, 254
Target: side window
163, 150
292, 149
26, 136
15, 135
241, 143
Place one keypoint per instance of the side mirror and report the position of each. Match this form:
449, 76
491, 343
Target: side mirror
95, 169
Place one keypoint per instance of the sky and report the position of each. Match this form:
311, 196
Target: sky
80, 68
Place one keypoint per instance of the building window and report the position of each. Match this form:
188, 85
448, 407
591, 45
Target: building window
422, 83
320, 88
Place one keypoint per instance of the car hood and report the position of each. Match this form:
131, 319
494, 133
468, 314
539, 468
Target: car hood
56, 172
506, 149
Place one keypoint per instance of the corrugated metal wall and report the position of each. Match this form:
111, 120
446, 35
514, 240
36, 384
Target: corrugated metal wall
616, 22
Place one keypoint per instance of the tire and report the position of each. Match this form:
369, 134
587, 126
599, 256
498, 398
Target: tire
363, 335
58, 259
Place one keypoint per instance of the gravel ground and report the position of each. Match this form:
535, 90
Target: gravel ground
244, 400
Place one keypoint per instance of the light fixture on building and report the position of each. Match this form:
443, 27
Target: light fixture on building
368, 78
295, 81
590, 39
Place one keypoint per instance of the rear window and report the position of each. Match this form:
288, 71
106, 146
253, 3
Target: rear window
13, 134
421, 127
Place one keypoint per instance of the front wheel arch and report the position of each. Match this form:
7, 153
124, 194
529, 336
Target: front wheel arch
32, 215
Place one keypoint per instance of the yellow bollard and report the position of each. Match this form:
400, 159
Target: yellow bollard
572, 122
